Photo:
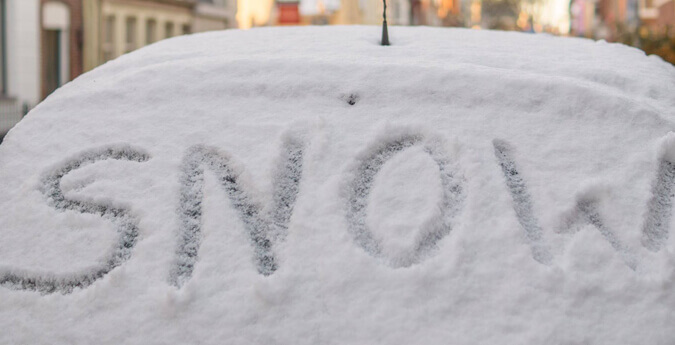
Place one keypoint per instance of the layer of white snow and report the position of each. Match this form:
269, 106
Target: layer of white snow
308, 186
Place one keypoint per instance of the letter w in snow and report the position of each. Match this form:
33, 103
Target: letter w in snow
654, 230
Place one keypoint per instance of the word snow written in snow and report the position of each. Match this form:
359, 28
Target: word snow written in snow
265, 229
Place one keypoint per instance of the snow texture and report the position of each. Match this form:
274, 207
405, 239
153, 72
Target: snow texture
522, 203
309, 186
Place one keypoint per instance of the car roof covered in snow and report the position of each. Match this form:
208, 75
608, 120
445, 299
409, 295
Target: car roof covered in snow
309, 186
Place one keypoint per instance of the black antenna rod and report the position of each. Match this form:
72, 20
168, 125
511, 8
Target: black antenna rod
385, 34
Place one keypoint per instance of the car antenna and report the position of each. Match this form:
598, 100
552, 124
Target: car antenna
385, 34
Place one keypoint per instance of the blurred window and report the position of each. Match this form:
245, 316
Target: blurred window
150, 31
131, 34
3, 51
55, 18
168, 29
53, 60
109, 38
187, 29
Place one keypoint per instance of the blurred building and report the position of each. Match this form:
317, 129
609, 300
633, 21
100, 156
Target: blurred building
252, 13
364, 12
649, 12
398, 12
500, 14
665, 17
215, 15
549, 16
61, 42
583, 20
615, 18
348, 13
606, 19
450, 13
19, 59
621, 20
116, 27
425, 12
46, 43
288, 12
20, 56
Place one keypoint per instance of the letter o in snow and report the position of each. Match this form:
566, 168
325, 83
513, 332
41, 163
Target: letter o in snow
359, 188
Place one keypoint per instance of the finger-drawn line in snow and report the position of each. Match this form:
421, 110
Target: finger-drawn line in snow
660, 208
263, 229
360, 187
656, 222
586, 212
127, 225
522, 203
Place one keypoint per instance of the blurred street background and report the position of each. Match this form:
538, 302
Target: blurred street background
46, 43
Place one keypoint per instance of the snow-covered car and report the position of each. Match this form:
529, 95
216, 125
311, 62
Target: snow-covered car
310, 186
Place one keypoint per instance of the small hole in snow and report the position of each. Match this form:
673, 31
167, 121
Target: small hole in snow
351, 99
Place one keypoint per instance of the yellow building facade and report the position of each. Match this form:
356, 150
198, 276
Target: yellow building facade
116, 27
369, 12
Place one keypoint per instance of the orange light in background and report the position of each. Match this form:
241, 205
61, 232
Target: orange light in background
253, 12
446, 6
522, 20
475, 14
